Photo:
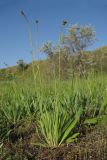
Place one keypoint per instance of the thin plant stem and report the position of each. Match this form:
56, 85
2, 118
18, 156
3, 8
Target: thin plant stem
31, 42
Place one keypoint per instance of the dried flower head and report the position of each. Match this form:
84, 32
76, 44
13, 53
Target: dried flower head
64, 22
37, 21
22, 13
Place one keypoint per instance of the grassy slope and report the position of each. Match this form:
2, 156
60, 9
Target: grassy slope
99, 57
67, 96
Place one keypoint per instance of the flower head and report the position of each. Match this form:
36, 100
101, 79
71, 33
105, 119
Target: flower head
64, 22
37, 21
22, 13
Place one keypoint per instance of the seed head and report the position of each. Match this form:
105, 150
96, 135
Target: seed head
37, 21
22, 13
64, 22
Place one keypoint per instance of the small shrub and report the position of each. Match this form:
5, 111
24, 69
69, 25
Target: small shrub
21, 65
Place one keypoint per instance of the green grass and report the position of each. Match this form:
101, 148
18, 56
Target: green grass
19, 100
59, 109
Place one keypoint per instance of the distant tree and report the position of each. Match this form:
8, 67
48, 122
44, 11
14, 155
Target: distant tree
75, 42
21, 65
79, 38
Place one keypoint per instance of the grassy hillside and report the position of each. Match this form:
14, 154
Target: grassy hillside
92, 61
47, 116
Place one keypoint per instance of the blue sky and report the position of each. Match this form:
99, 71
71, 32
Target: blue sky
14, 41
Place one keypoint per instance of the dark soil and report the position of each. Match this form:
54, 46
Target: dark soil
93, 146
